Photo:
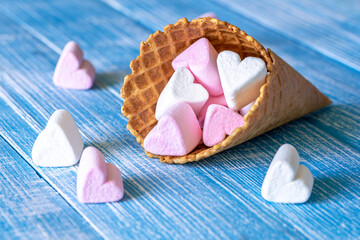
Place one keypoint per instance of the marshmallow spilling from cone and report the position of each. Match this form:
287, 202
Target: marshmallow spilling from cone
216, 91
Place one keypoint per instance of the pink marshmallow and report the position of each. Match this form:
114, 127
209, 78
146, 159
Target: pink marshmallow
212, 100
246, 109
72, 71
208, 14
219, 122
98, 181
200, 59
177, 133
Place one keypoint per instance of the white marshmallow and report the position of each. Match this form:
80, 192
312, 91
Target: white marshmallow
286, 181
60, 143
181, 88
241, 80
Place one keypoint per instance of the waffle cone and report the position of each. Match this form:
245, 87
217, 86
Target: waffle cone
285, 96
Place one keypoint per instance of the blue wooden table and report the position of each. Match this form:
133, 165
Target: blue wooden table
216, 198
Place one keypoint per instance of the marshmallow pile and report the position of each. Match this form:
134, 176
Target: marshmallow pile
206, 99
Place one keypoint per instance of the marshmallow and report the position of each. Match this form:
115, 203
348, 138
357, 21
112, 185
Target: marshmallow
72, 71
97, 181
212, 100
177, 133
181, 88
219, 122
241, 80
286, 181
200, 59
243, 111
60, 143
208, 14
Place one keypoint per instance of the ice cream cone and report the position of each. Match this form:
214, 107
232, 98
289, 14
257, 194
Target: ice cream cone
285, 96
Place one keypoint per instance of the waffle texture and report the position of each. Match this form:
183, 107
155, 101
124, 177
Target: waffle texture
285, 96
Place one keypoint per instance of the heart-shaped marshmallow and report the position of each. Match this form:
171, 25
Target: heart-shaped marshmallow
60, 143
286, 181
181, 88
200, 59
208, 14
219, 122
72, 71
97, 181
177, 133
212, 100
241, 80
243, 111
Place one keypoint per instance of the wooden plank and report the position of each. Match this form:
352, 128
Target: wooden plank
150, 185
150, 188
338, 82
210, 192
328, 27
30, 208
238, 174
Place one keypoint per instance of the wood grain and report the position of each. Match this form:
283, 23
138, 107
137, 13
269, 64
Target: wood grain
330, 27
305, 60
339, 82
30, 208
216, 198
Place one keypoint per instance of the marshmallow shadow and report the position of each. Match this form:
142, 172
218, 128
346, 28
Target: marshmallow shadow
329, 187
105, 80
133, 190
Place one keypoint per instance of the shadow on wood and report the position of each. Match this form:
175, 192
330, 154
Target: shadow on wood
133, 190
330, 188
110, 80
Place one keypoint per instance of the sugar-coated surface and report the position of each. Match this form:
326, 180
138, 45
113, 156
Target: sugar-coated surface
286, 181
72, 71
181, 88
60, 143
212, 100
200, 58
220, 122
98, 181
176, 133
241, 79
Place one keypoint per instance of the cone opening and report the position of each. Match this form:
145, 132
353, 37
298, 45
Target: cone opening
152, 69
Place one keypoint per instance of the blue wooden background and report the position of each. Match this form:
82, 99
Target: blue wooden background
216, 198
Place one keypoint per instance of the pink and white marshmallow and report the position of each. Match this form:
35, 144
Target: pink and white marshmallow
181, 88
97, 181
177, 132
219, 122
60, 143
200, 59
286, 181
241, 79
220, 100
72, 70
243, 111
208, 14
